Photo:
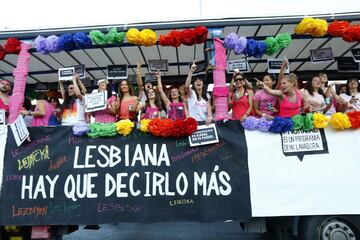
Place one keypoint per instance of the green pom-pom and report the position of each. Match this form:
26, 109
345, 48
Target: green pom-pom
298, 121
272, 46
308, 124
283, 39
98, 37
102, 130
114, 37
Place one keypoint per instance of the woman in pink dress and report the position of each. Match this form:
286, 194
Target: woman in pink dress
240, 98
127, 103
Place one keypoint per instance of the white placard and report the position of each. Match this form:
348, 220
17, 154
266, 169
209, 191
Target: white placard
274, 65
204, 135
321, 55
158, 65
66, 74
2, 117
356, 54
241, 64
95, 101
19, 130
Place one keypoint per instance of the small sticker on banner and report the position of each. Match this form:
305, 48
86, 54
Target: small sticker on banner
19, 130
204, 135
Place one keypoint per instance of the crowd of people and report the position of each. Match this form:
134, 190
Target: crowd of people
267, 98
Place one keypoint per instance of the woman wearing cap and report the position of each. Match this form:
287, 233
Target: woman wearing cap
107, 115
174, 105
73, 111
127, 103
199, 102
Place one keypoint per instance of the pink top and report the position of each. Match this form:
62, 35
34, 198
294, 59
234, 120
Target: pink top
290, 109
125, 107
151, 112
176, 111
240, 104
39, 121
266, 101
4, 106
105, 116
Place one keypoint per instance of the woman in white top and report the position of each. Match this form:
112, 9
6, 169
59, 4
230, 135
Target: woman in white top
352, 96
314, 97
199, 103
73, 110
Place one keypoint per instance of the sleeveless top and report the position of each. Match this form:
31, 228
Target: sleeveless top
125, 107
105, 116
176, 111
290, 109
39, 121
240, 104
151, 112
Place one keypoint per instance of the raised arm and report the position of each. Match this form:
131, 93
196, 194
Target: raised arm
163, 96
277, 93
139, 80
62, 89
189, 77
284, 65
81, 86
76, 88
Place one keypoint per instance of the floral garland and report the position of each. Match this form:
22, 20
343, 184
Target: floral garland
253, 48
307, 122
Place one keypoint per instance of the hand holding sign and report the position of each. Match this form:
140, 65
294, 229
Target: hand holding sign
138, 67
193, 66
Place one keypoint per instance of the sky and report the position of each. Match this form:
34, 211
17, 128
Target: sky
40, 14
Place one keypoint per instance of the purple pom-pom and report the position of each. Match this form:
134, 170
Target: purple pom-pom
52, 44
40, 45
240, 45
250, 123
229, 40
280, 125
264, 124
80, 129
66, 42
82, 40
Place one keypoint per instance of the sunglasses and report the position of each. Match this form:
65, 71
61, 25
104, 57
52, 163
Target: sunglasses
239, 79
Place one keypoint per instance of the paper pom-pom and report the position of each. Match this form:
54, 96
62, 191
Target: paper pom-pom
40, 44
148, 37
173, 39
320, 120
255, 48
2, 53
161, 128
229, 41
240, 45
99, 38
12, 46
187, 37
340, 121
80, 129
102, 130
283, 39
144, 125
314, 27
308, 122
298, 121
155, 127
338, 28
250, 123
133, 36
66, 42
82, 40
114, 37
352, 34
201, 33
263, 124
124, 127
178, 128
260, 49
52, 44
190, 126
272, 46
281, 124
354, 118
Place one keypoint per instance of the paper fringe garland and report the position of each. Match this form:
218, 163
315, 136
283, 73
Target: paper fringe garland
187, 37
314, 27
145, 37
12, 46
344, 30
124, 127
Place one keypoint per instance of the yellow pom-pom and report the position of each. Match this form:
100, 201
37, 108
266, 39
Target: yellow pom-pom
148, 37
304, 25
124, 127
133, 36
314, 27
144, 125
320, 28
340, 121
320, 120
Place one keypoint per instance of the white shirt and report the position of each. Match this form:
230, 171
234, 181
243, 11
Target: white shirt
74, 115
356, 105
198, 109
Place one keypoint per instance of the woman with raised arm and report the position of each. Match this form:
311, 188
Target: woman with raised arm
199, 102
289, 97
73, 110
107, 115
240, 98
174, 105
127, 103
265, 104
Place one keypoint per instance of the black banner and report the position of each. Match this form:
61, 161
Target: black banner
62, 179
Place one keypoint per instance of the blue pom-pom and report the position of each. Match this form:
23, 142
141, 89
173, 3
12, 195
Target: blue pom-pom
280, 125
260, 50
82, 40
66, 42
251, 46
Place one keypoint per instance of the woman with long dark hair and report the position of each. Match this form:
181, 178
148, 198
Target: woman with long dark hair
55, 118
199, 102
73, 110
152, 106
126, 103
265, 105
351, 96
314, 96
